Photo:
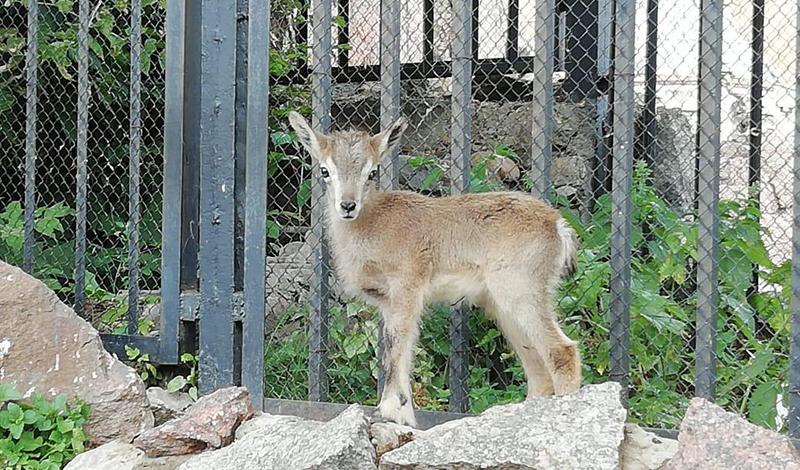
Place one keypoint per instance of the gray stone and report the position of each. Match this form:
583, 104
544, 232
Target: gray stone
714, 439
46, 348
295, 443
166, 405
642, 450
583, 430
117, 455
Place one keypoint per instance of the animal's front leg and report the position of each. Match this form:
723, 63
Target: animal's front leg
400, 333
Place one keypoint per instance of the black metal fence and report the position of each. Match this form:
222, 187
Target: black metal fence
148, 174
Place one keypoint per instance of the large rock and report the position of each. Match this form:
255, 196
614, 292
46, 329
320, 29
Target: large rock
46, 348
208, 424
116, 455
289, 442
711, 438
642, 450
583, 430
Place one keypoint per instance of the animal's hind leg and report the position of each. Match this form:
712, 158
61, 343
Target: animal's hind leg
532, 318
539, 381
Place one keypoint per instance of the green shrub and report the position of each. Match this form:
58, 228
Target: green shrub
40, 434
752, 344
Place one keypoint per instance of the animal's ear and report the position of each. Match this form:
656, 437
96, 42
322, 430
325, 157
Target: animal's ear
311, 140
389, 139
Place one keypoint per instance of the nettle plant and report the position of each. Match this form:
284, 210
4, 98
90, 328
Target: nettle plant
39, 434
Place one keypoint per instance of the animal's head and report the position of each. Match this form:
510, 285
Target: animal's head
348, 162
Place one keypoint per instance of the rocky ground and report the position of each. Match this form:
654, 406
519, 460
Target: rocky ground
133, 428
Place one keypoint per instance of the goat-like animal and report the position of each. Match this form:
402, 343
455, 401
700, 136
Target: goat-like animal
399, 251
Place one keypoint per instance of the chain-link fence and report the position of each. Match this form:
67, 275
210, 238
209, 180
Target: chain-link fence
693, 248
664, 133
40, 87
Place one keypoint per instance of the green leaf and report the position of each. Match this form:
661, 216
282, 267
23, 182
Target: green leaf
273, 229
8, 392
761, 407
176, 384
303, 193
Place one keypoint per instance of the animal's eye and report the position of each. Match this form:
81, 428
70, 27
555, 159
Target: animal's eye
373, 174
324, 172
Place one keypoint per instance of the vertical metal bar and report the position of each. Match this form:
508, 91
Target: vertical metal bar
622, 172
390, 82
31, 69
601, 165
321, 122
561, 43
756, 93
255, 229
391, 111
460, 153
650, 79
476, 18
240, 143
512, 36
83, 126
542, 104
135, 140
217, 118
794, 351
173, 182
239, 179
190, 209
708, 139
344, 33
427, 30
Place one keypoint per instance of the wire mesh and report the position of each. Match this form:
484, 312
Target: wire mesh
571, 153
54, 133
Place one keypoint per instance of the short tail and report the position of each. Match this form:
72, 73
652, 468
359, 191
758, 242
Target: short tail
569, 248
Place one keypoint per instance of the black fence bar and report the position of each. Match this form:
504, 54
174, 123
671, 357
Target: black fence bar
343, 54
217, 117
601, 164
755, 123
83, 131
321, 122
794, 352
512, 35
427, 31
173, 182
31, 97
756, 93
542, 104
650, 79
255, 230
460, 154
134, 148
484, 68
190, 235
476, 18
240, 143
621, 182
708, 139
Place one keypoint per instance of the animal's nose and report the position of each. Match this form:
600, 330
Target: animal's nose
349, 206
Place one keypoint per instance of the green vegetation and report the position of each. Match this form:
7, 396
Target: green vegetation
752, 346
39, 434
753, 337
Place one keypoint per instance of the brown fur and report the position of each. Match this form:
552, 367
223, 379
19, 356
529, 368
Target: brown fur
398, 250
